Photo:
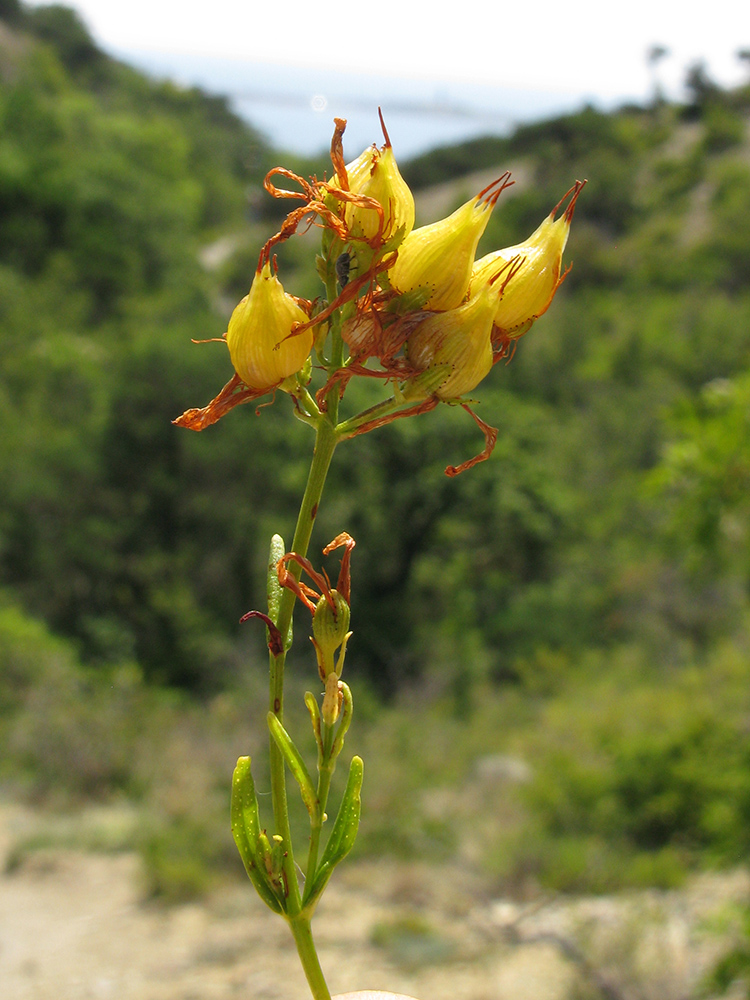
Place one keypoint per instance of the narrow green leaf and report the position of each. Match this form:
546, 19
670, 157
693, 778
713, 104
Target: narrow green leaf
295, 763
246, 832
343, 834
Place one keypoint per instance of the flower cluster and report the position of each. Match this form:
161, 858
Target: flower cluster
409, 306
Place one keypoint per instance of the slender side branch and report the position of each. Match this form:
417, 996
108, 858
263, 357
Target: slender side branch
326, 767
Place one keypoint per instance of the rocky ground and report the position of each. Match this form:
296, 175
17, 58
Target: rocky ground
74, 926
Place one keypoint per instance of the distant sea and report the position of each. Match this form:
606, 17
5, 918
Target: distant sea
294, 107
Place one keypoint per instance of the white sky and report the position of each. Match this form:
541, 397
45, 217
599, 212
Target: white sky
593, 47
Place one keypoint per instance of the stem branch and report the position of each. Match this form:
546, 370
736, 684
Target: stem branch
326, 766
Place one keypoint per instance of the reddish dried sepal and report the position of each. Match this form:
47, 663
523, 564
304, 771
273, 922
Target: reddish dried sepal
275, 642
490, 439
344, 583
233, 394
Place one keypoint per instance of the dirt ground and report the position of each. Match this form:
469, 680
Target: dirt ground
74, 926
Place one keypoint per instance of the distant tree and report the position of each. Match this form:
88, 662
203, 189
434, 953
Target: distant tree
11, 11
654, 55
63, 28
701, 89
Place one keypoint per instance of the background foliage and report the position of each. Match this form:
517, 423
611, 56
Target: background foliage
578, 604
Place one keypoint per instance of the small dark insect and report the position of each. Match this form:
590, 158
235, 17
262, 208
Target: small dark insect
343, 264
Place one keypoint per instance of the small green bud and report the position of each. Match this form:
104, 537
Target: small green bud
330, 631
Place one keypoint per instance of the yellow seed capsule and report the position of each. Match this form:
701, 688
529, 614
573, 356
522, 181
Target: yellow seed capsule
359, 170
375, 174
456, 341
439, 257
384, 183
262, 352
532, 289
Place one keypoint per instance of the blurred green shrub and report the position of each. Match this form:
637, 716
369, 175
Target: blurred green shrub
412, 941
732, 970
183, 856
724, 127
69, 733
639, 784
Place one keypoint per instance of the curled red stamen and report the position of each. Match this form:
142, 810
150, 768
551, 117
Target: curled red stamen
412, 411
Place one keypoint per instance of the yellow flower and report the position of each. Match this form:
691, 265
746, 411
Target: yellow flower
439, 257
453, 349
532, 289
262, 352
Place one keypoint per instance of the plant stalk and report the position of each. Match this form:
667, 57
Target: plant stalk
303, 938
326, 439
325, 773
325, 444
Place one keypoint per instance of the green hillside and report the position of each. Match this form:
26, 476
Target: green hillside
580, 600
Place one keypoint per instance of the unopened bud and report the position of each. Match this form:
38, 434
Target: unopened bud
262, 352
330, 631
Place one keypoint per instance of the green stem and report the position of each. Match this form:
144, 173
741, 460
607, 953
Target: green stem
308, 956
326, 439
325, 444
337, 353
326, 767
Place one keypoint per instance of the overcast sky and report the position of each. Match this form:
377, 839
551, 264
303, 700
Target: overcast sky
592, 47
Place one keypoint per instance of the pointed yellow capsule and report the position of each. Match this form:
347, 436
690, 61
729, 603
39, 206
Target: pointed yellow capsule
439, 257
532, 289
456, 345
262, 352
375, 174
